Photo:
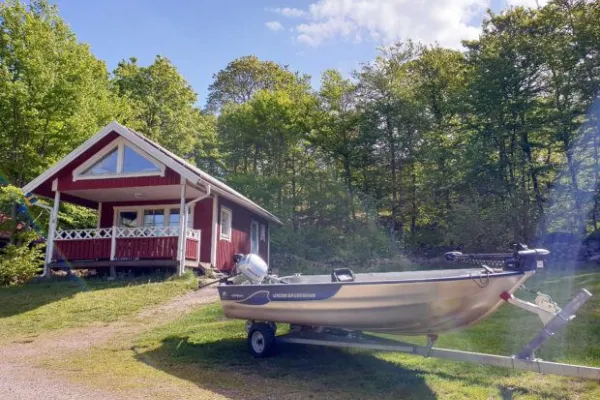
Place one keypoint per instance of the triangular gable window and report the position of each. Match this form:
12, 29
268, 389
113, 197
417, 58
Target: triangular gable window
134, 162
107, 165
118, 160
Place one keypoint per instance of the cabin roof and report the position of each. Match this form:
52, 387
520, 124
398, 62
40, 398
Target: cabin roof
176, 163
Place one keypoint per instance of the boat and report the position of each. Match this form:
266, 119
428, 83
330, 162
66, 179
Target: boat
335, 310
405, 303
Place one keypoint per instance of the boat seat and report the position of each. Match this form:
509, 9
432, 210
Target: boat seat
342, 275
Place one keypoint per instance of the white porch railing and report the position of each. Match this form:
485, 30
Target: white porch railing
118, 235
147, 231
80, 234
122, 232
192, 233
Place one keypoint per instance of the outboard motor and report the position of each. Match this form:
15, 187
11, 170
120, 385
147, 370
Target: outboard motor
253, 268
526, 259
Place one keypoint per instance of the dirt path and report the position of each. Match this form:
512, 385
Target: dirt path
20, 378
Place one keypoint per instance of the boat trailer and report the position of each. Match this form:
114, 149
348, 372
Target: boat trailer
262, 340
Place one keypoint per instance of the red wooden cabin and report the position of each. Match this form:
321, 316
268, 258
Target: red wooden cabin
154, 208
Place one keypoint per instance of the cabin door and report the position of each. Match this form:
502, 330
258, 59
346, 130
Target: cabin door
254, 237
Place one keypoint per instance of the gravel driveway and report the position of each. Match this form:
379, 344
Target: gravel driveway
22, 378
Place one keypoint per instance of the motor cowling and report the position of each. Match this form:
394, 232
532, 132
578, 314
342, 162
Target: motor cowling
253, 268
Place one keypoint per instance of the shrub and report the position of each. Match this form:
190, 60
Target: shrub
19, 263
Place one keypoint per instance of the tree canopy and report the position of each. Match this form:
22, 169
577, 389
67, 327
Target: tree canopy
420, 148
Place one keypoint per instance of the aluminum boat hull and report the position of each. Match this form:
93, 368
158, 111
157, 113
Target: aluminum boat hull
407, 303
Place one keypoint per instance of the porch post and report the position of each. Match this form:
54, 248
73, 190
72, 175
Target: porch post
182, 228
51, 232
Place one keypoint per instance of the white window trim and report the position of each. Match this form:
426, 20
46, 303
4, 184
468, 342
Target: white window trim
119, 144
140, 213
221, 234
252, 224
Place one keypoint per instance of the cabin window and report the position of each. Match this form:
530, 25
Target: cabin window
263, 233
154, 217
226, 224
128, 219
174, 217
151, 216
118, 159
106, 165
254, 237
134, 162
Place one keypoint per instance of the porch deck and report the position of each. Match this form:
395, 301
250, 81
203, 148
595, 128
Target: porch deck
121, 246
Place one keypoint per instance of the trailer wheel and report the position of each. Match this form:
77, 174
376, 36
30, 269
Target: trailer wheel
261, 340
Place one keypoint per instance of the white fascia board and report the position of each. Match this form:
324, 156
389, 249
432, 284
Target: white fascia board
70, 157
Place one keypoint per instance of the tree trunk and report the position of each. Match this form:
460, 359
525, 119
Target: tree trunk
348, 176
397, 225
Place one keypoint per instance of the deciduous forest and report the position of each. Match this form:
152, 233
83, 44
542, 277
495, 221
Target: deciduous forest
421, 149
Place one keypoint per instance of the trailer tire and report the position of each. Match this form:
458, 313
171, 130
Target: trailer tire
261, 340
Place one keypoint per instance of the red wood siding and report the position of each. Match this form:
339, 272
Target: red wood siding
67, 183
84, 249
106, 216
191, 249
203, 221
240, 235
149, 248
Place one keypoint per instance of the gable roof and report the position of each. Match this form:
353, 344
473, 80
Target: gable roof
185, 169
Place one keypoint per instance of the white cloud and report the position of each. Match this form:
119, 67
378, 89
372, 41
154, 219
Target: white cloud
446, 22
289, 12
274, 25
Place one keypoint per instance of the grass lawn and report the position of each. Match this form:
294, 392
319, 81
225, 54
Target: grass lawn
57, 304
204, 355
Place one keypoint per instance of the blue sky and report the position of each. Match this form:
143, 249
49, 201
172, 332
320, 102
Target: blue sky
200, 37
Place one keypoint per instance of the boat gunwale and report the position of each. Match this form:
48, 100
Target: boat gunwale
422, 280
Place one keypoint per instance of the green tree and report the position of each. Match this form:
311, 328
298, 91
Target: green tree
53, 92
244, 76
161, 105
393, 115
337, 132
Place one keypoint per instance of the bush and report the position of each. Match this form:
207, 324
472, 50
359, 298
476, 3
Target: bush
19, 263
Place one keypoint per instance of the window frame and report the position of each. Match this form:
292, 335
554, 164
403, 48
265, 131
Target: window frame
119, 144
222, 236
140, 213
253, 224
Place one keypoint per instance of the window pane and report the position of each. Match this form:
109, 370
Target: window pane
174, 217
154, 217
133, 162
254, 238
128, 219
225, 224
106, 165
